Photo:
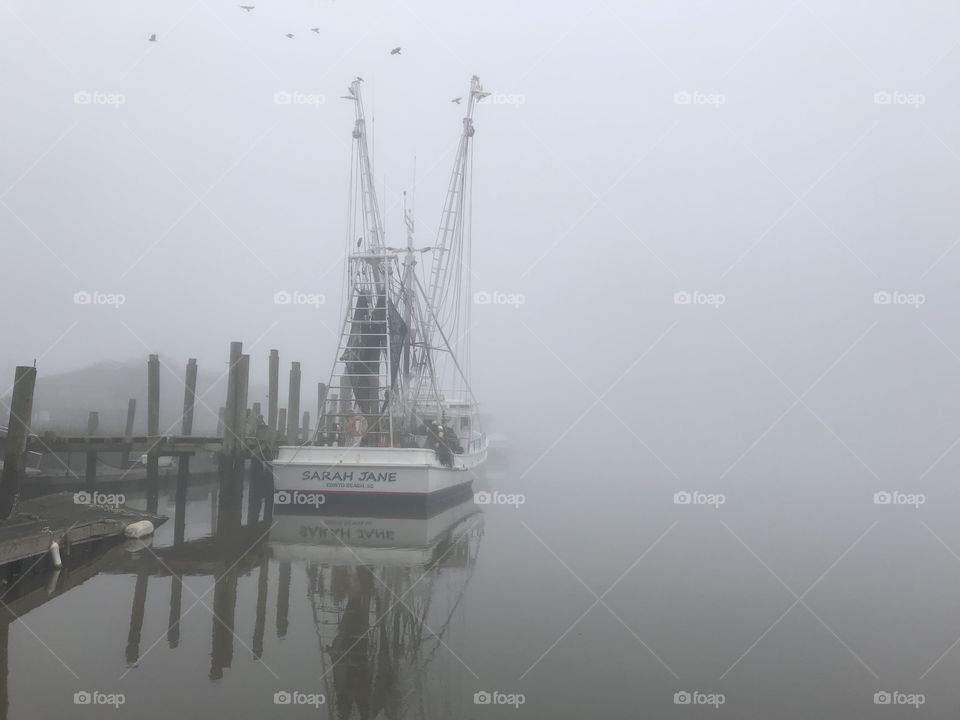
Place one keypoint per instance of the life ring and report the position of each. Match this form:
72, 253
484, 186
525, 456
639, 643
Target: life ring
356, 425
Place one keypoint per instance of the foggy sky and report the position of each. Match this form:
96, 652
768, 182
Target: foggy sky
785, 184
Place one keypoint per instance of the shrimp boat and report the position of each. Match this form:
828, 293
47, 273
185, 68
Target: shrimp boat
399, 422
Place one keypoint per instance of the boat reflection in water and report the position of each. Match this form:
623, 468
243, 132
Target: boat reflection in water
385, 593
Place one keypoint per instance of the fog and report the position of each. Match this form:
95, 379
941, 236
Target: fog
628, 153
718, 240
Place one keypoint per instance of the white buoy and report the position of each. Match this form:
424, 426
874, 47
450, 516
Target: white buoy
55, 554
139, 529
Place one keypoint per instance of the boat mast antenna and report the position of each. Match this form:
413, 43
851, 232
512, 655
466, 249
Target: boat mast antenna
373, 225
449, 234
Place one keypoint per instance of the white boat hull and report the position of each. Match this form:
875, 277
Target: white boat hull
319, 477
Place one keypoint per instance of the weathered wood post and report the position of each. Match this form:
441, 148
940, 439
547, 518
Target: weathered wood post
229, 506
282, 423
273, 395
243, 407
321, 407
293, 404
254, 485
153, 431
128, 432
93, 424
18, 427
232, 412
186, 428
305, 431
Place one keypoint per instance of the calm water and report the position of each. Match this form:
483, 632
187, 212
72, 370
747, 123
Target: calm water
599, 596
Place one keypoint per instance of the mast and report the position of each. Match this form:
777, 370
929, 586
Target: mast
450, 232
369, 323
373, 225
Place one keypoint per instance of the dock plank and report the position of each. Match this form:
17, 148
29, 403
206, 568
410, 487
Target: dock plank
57, 517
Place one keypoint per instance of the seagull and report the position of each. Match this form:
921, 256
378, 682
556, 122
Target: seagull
316, 30
152, 38
290, 35
248, 8
457, 100
395, 51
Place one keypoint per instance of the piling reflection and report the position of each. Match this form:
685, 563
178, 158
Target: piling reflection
381, 593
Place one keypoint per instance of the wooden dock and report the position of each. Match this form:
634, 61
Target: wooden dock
38, 522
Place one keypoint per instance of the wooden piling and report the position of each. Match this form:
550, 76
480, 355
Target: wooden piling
273, 395
232, 412
90, 478
293, 403
186, 428
305, 430
282, 423
229, 506
153, 430
189, 397
321, 407
18, 427
244, 396
128, 431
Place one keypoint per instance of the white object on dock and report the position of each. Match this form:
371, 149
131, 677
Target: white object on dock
139, 529
55, 554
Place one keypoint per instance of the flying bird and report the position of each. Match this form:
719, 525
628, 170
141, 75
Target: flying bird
457, 100
152, 38
358, 78
395, 51
316, 30
290, 35
248, 8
